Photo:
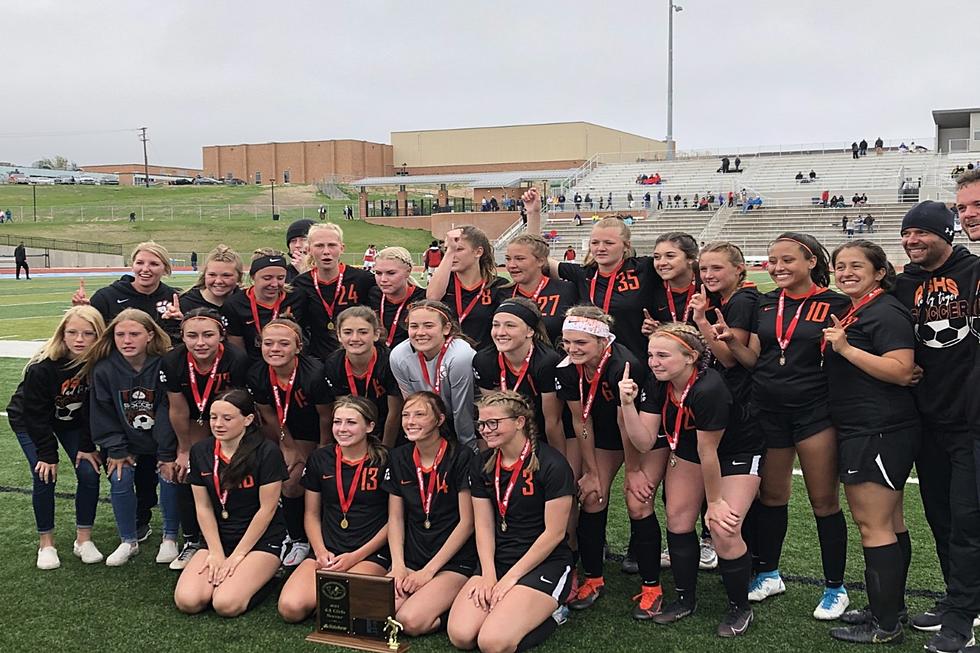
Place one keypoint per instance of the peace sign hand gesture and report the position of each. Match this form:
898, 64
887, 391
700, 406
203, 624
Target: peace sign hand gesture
628, 390
173, 310
722, 332
836, 336
80, 298
699, 304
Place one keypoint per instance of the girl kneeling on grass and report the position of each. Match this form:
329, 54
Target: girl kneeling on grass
237, 476
50, 407
346, 508
522, 496
131, 424
711, 455
430, 529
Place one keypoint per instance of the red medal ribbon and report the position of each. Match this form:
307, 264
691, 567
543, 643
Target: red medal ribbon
253, 303
780, 308
282, 407
458, 289
609, 289
674, 437
425, 368
852, 311
329, 308
398, 313
200, 401
502, 503
351, 377
348, 499
427, 494
222, 494
671, 306
593, 384
537, 291
502, 363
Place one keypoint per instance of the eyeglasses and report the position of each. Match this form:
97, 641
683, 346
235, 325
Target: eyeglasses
491, 424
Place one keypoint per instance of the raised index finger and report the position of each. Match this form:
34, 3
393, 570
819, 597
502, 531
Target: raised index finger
81, 284
626, 371
835, 320
176, 300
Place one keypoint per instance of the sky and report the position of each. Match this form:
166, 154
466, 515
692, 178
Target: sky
79, 78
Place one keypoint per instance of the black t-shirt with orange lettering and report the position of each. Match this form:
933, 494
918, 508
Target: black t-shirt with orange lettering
484, 297
232, 372
539, 378
390, 311
309, 391
556, 297
354, 291
378, 388
237, 311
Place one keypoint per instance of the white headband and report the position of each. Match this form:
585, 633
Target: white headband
597, 328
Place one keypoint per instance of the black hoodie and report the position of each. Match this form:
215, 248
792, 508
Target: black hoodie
120, 295
945, 346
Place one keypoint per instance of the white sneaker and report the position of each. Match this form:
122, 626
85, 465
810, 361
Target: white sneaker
168, 552
297, 553
833, 604
88, 552
766, 584
190, 548
665, 558
709, 559
122, 554
47, 558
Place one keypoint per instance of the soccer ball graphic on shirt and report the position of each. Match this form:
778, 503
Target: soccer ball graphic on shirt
940, 334
65, 411
143, 422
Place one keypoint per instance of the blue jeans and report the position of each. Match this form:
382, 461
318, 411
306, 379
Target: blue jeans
138, 481
86, 496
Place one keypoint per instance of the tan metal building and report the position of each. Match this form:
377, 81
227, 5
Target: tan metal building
131, 174
513, 147
298, 162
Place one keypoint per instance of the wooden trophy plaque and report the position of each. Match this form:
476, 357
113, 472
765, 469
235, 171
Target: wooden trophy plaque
356, 611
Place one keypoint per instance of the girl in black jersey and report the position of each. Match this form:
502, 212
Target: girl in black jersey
237, 477
522, 496
675, 257
329, 287
527, 260
430, 516
194, 372
220, 278
294, 402
394, 293
870, 362
268, 298
789, 401
712, 455
467, 282
346, 507
362, 368
587, 380
50, 406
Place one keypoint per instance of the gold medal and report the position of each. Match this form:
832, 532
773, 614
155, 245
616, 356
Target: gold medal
330, 326
224, 514
503, 526
673, 460
782, 358
585, 433
344, 524
200, 420
427, 524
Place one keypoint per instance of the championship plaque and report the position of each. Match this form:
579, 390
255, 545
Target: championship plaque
356, 611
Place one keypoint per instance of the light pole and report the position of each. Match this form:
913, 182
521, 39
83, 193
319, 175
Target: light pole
274, 216
670, 77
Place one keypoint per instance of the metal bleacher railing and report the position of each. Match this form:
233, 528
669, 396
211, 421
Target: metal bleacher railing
38, 242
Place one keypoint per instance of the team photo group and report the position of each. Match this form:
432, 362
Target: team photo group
466, 437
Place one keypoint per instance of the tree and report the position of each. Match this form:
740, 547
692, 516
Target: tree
56, 163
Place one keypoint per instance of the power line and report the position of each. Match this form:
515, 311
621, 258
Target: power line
66, 133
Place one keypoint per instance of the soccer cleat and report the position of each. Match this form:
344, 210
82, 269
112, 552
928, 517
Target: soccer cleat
931, 620
588, 592
143, 532
709, 559
863, 616
833, 604
122, 554
948, 642
766, 584
736, 621
47, 558
87, 551
168, 552
648, 602
665, 558
185, 555
674, 612
297, 553
869, 633
629, 565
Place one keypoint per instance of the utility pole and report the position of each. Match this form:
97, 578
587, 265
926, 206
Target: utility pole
146, 166
34, 188
671, 146
274, 216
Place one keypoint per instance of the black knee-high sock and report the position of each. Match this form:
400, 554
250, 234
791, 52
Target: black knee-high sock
537, 635
832, 533
883, 575
770, 530
749, 528
591, 541
292, 508
645, 533
735, 575
262, 594
905, 544
187, 513
685, 554
705, 531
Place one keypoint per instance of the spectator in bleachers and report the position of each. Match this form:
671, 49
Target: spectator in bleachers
609, 201
485, 204
854, 150
725, 164
578, 201
494, 206
646, 200
856, 200
677, 201
577, 220
641, 179
843, 225
685, 202
738, 164
918, 148
660, 200
869, 223
703, 204
850, 229
721, 199
601, 205
812, 174
824, 197
903, 148
799, 176
629, 199
561, 202
864, 199
551, 203
879, 146
731, 198
859, 224
742, 197
588, 201
959, 170
863, 147
570, 254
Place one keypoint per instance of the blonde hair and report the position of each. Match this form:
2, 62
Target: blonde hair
445, 316
369, 413
326, 226
54, 349
477, 238
517, 406
270, 251
221, 254
612, 222
157, 250
734, 253
399, 254
158, 346
359, 312
540, 332
539, 247
688, 336
289, 324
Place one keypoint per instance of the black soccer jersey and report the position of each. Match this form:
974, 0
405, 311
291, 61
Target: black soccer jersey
453, 473
476, 305
525, 511
394, 334
232, 373
859, 403
637, 286
238, 311
539, 378
194, 299
242, 502
320, 324
368, 511
739, 313
556, 297
665, 311
801, 380
378, 388
309, 391
605, 424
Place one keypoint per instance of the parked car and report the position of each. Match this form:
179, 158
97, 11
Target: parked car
234, 181
17, 178
181, 182
112, 181
42, 181
86, 181
205, 181
68, 181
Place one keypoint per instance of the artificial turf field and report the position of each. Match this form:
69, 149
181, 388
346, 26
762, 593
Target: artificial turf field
88, 608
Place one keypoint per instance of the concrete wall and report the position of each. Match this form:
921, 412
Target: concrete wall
306, 161
493, 224
64, 259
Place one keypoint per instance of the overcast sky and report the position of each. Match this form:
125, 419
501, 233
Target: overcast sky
223, 72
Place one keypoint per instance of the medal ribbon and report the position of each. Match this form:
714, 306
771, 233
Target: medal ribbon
282, 407
425, 368
427, 494
398, 313
515, 474
347, 500
671, 306
674, 437
200, 401
253, 303
351, 377
329, 308
458, 289
609, 289
593, 384
780, 309
537, 291
502, 363
222, 494
852, 311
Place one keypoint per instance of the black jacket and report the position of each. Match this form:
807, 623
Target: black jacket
120, 295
